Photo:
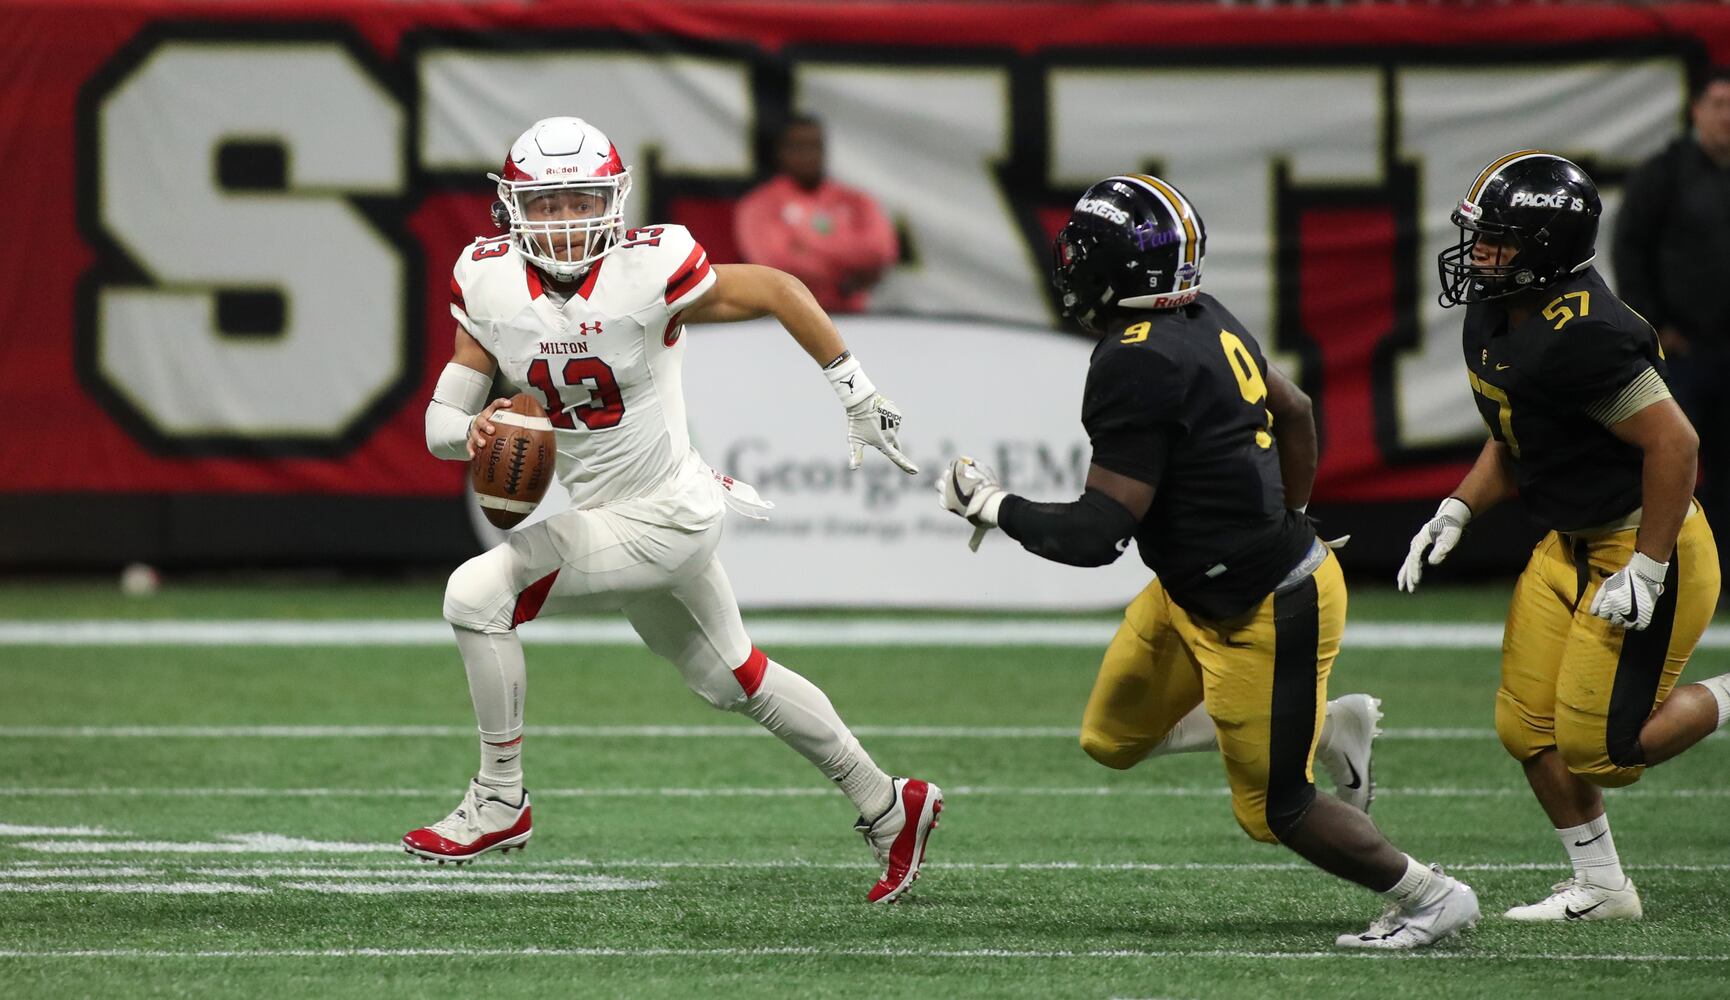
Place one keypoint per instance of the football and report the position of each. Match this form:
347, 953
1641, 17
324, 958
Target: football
511, 474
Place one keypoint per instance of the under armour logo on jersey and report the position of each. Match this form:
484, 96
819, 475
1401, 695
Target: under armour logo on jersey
590, 329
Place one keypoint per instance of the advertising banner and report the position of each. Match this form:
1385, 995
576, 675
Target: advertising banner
232, 226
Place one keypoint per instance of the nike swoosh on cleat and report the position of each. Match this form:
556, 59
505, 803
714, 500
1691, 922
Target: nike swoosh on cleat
1574, 914
1391, 933
1357, 781
1583, 843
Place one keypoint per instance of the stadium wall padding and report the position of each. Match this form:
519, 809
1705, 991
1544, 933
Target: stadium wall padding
232, 225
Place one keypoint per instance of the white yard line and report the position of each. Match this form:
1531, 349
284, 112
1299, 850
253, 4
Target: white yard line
139, 888
791, 792
541, 887
12, 830
903, 953
838, 631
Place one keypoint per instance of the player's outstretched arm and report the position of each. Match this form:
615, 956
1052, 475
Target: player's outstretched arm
1091, 531
750, 291
457, 416
1294, 434
1489, 483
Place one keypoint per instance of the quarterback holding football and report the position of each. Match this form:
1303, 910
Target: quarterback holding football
587, 315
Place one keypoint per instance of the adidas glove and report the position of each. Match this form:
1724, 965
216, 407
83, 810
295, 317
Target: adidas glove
872, 418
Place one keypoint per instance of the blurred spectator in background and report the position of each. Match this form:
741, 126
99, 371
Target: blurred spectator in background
1673, 266
833, 237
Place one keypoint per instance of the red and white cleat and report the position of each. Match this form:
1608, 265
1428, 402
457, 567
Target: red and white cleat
898, 837
478, 824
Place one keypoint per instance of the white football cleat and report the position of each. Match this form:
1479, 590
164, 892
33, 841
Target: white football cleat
1571, 899
898, 837
1347, 757
479, 824
1401, 928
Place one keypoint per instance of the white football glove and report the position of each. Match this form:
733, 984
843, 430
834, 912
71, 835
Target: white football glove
1440, 536
972, 491
1631, 594
872, 418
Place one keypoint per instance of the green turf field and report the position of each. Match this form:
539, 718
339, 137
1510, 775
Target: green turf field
223, 822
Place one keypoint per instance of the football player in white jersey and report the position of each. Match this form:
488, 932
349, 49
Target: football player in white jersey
577, 309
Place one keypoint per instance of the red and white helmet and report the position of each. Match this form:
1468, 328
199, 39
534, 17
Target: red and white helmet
563, 154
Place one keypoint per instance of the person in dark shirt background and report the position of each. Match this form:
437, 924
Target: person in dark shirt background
1673, 267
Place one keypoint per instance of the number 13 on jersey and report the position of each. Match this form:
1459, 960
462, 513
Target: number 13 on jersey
606, 405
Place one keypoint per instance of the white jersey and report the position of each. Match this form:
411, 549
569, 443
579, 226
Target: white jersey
606, 362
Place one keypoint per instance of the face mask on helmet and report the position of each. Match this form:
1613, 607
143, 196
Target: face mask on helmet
1529, 221
1490, 261
562, 196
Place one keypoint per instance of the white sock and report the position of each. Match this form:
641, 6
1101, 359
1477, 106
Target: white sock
799, 713
1593, 852
497, 684
1193, 733
1720, 688
1419, 886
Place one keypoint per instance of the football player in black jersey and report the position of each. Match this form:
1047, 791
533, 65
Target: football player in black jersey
1570, 382
1205, 456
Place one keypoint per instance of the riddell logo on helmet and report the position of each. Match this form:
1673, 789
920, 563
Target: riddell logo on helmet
564, 170
1104, 209
1538, 199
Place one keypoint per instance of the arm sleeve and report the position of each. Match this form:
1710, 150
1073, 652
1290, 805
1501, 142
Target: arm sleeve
1131, 409
461, 393
1089, 532
1636, 240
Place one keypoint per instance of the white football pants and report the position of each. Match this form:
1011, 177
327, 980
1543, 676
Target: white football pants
676, 596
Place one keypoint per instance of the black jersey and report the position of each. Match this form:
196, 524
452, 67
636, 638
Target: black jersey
1547, 387
1178, 401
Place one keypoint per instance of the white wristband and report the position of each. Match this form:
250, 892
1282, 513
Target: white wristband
461, 393
993, 504
850, 382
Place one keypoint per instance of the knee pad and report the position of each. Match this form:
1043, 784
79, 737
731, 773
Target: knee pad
479, 594
1519, 737
1599, 765
715, 684
1119, 755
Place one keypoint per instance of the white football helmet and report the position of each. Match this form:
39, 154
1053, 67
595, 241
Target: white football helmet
556, 155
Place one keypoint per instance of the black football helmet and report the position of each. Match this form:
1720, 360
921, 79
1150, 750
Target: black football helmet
1541, 205
1132, 242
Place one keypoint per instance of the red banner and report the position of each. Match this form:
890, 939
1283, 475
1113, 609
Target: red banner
233, 225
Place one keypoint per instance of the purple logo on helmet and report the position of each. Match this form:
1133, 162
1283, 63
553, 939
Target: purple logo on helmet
1148, 235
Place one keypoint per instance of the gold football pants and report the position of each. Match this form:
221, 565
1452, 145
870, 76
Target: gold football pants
1573, 682
1263, 676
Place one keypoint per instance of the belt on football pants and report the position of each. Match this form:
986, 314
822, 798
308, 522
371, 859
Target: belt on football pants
1305, 567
